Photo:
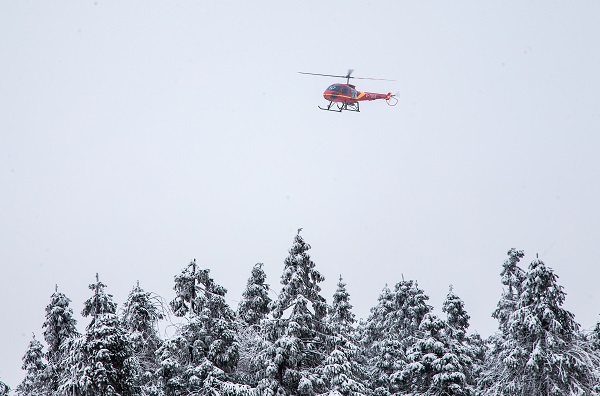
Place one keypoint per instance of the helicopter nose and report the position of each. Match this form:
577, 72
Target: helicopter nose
329, 95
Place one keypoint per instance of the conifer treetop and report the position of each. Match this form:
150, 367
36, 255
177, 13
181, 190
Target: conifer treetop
298, 338
196, 291
59, 325
254, 305
542, 300
140, 313
33, 358
100, 303
35, 367
400, 311
512, 277
541, 350
341, 314
457, 317
300, 282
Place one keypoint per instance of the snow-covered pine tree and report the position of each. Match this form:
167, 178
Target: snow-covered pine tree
543, 352
34, 383
435, 365
389, 332
139, 317
59, 328
72, 380
254, 305
298, 330
4, 389
99, 304
478, 348
456, 316
512, 279
252, 310
172, 356
594, 337
469, 349
341, 370
252, 344
374, 340
111, 367
204, 353
106, 364
341, 319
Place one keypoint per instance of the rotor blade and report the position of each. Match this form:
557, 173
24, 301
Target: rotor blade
325, 75
350, 71
368, 78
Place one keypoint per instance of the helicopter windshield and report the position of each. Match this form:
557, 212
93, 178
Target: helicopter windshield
335, 87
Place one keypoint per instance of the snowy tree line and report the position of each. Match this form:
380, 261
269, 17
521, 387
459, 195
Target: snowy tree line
297, 344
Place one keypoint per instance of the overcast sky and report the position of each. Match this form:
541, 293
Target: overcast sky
136, 136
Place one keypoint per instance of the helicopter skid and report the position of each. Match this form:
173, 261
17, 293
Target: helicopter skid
339, 107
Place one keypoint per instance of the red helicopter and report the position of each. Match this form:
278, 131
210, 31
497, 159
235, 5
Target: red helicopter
346, 97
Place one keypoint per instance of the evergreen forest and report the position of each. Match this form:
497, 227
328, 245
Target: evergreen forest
299, 344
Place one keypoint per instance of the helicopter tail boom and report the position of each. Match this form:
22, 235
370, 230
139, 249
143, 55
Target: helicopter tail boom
373, 96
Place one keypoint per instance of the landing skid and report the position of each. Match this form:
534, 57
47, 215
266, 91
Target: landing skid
339, 107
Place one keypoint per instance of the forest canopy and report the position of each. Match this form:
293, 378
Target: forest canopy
299, 344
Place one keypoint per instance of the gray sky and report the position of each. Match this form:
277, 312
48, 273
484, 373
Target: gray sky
136, 136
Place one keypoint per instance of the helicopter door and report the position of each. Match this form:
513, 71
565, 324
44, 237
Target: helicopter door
346, 91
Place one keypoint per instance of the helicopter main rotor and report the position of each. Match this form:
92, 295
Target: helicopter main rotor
348, 76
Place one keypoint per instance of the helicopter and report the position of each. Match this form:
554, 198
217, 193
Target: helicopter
346, 97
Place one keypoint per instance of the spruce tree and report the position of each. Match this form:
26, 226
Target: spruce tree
478, 349
34, 383
384, 352
252, 346
543, 352
4, 389
456, 316
107, 367
201, 358
341, 370
469, 349
252, 312
139, 318
341, 319
172, 356
391, 329
297, 334
254, 305
435, 365
512, 277
73, 380
111, 367
59, 328
100, 303
211, 321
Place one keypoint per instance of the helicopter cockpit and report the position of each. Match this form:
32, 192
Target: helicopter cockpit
343, 89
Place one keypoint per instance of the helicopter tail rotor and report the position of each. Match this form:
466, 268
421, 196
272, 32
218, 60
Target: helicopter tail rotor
391, 100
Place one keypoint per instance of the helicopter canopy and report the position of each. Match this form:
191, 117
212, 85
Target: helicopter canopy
342, 89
